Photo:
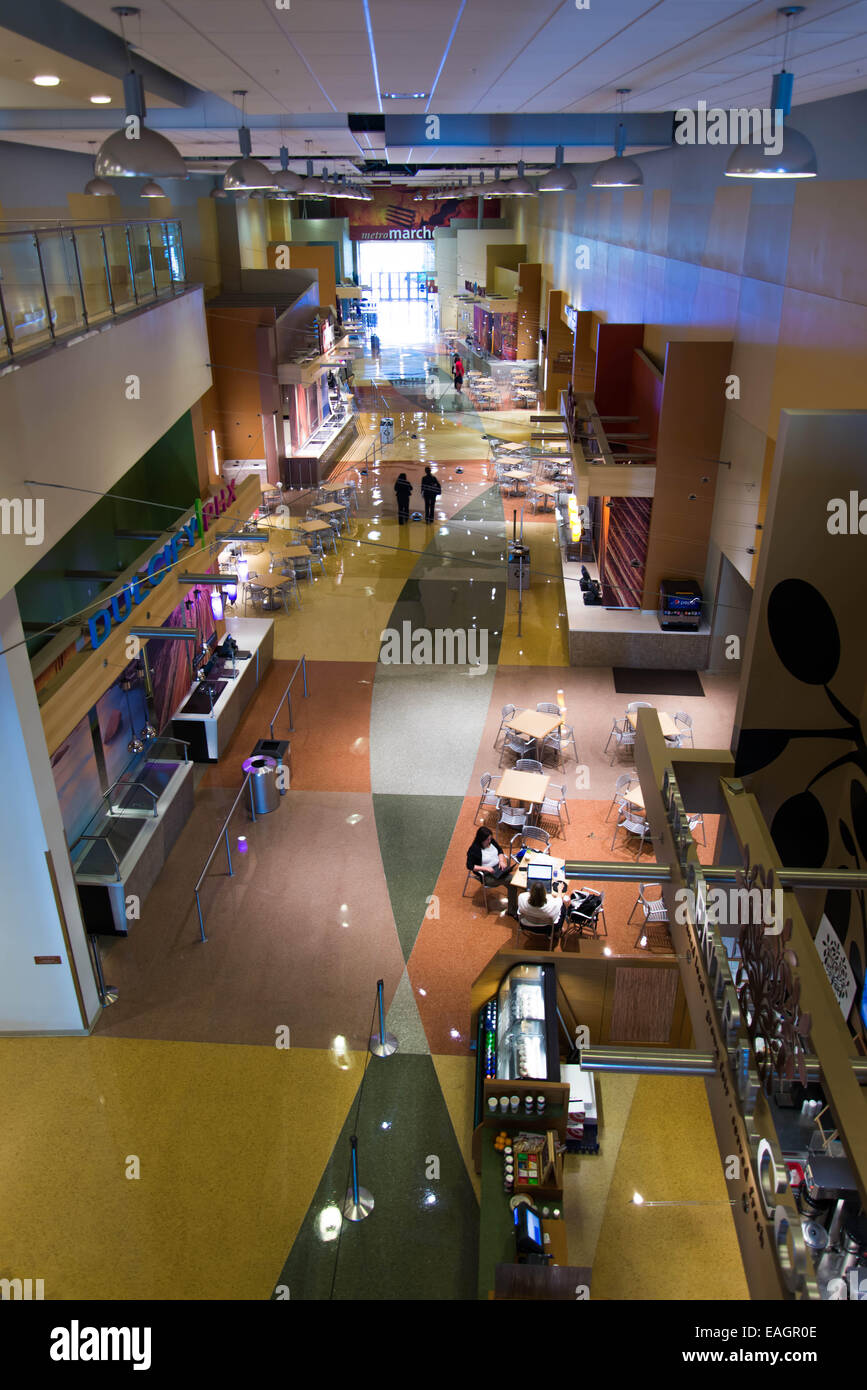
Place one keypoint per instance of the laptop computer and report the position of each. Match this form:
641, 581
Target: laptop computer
540, 872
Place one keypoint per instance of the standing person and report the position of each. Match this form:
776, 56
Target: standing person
430, 491
403, 490
459, 374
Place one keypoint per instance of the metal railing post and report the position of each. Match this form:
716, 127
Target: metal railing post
252, 806
201, 919
165, 227
130, 260
108, 283
44, 284
289, 710
80, 278
6, 331
304, 675
228, 851
151, 258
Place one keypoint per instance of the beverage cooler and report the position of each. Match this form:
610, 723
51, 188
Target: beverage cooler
517, 1030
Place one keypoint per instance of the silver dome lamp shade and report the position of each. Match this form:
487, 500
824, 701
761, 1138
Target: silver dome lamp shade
152, 190
559, 179
98, 188
284, 180
619, 172
146, 154
519, 187
796, 158
246, 174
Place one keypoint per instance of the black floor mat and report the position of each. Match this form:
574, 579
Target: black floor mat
631, 680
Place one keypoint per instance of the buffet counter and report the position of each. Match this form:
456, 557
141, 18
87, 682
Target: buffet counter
208, 717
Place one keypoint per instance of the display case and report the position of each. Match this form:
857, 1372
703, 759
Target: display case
517, 1030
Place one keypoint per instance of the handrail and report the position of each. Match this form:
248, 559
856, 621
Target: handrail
107, 844
302, 662
170, 738
34, 224
224, 831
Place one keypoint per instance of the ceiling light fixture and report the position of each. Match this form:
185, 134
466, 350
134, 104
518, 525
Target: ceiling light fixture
519, 187
101, 101
558, 179
152, 190
285, 180
404, 96
46, 80
796, 158
98, 188
246, 173
135, 151
618, 172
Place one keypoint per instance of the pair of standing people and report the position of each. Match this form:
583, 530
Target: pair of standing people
430, 491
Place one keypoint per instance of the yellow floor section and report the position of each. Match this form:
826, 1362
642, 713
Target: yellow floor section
668, 1153
587, 1177
232, 1143
544, 639
457, 1078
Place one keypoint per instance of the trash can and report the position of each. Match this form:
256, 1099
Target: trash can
263, 784
386, 430
519, 567
278, 749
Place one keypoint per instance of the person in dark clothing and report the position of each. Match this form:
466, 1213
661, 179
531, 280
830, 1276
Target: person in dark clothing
486, 859
430, 491
403, 490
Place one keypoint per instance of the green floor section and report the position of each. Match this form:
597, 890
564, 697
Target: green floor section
414, 834
421, 1239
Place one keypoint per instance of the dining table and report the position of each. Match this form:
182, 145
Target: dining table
532, 723
529, 788
518, 881
666, 723
310, 527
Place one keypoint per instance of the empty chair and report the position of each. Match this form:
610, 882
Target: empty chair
505, 713
633, 824
275, 560
516, 743
317, 557
547, 708
638, 704
513, 817
255, 594
623, 735
528, 765
696, 822
683, 722
625, 782
289, 589
303, 567
554, 804
488, 799
654, 909
557, 741
532, 837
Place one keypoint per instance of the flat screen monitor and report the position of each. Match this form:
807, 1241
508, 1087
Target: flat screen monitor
539, 873
528, 1231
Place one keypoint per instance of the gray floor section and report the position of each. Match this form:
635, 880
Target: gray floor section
403, 1020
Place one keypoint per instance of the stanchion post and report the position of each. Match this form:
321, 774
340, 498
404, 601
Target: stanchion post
107, 993
201, 919
382, 1044
358, 1202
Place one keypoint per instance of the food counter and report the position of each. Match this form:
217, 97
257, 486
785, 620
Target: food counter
208, 717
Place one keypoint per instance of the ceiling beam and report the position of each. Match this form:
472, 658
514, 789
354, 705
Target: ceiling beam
501, 130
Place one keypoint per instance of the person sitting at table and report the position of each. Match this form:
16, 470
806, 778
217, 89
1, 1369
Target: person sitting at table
539, 911
486, 858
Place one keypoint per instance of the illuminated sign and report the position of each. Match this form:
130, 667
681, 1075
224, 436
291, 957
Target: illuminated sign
121, 604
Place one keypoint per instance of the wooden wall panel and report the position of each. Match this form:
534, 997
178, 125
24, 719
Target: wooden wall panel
559, 350
237, 391
320, 259
645, 398
584, 354
529, 309
506, 254
644, 1006
614, 347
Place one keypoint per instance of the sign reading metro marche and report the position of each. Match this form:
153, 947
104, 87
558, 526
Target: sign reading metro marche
121, 604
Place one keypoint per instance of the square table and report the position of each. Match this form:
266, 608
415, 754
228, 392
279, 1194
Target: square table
519, 474
511, 448
523, 786
329, 508
311, 526
334, 487
533, 724
666, 723
518, 882
635, 797
296, 552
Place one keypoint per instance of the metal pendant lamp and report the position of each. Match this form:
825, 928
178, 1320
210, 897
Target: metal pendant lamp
796, 159
98, 188
558, 179
137, 152
285, 181
519, 187
314, 186
246, 174
619, 172
152, 190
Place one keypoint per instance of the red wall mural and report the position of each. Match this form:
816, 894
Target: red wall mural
395, 216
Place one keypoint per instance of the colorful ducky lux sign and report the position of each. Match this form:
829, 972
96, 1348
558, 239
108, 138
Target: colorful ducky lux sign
122, 603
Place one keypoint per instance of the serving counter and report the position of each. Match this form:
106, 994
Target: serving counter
208, 717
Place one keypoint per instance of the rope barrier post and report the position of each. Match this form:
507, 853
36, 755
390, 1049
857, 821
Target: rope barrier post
304, 676
228, 852
201, 919
358, 1202
382, 1044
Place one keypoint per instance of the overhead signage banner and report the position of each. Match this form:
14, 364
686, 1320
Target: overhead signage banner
394, 215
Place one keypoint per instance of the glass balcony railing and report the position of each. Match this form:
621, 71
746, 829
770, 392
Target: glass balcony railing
58, 279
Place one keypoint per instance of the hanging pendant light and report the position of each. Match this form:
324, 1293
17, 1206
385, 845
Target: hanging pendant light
313, 186
558, 179
98, 188
285, 180
619, 172
246, 173
519, 187
141, 153
152, 190
796, 159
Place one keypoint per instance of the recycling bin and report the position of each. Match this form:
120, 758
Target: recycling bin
386, 430
263, 784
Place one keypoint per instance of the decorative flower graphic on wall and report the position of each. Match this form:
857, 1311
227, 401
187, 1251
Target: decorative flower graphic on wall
806, 639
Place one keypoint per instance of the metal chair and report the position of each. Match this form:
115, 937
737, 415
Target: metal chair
505, 713
696, 821
515, 743
488, 799
638, 704
625, 782
555, 805
547, 708
623, 735
290, 589
528, 765
557, 740
532, 837
479, 882
684, 721
303, 565
514, 817
255, 594
635, 825
655, 914
585, 915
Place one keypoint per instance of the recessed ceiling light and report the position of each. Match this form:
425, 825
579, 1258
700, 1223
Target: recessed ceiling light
404, 96
47, 80
101, 101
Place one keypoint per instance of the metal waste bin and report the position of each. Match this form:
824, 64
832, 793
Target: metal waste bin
277, 748
519, 567
263, 784
386, 430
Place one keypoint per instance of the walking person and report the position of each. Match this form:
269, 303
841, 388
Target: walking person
458, 373
430, 491
403, 491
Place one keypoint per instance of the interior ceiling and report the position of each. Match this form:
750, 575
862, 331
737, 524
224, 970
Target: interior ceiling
318, 58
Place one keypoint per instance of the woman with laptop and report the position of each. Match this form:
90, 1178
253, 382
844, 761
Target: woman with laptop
543, 906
